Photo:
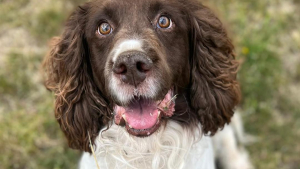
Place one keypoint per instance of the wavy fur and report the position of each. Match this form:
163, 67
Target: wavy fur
79, 106
214, 89
204, 75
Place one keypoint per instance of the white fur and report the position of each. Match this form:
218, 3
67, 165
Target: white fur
127, 45
125, 92
228, 146
173, 147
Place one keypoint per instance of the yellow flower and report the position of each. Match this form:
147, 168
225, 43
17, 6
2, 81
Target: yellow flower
245, 50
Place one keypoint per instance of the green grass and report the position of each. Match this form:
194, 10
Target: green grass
31, 138
27, 124
18, 71
48, 24
9, 11
297, 74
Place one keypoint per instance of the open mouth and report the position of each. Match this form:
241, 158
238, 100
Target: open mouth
142, 117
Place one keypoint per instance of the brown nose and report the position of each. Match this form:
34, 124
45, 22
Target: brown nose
132, 67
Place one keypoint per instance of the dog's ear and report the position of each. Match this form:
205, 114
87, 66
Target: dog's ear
79, 107
214, 90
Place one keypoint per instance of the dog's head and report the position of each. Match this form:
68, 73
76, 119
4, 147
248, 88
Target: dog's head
138, 63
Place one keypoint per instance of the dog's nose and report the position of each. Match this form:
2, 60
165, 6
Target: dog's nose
132, 67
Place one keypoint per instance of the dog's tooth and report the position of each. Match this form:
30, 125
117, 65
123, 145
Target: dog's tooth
148, 133
130, 126
159, 113
124, 117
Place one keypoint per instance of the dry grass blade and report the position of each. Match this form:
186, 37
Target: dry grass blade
93, 151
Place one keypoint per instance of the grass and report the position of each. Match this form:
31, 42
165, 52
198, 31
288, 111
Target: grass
8, 11
31, 137
27, 124
48, 22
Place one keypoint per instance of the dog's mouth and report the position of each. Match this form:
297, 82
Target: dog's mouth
142, 117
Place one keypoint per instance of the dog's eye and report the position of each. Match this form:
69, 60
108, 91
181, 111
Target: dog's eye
104, 29
164, 22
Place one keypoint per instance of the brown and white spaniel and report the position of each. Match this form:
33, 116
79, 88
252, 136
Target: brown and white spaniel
147, 80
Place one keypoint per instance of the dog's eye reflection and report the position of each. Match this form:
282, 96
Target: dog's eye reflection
104, 29
164, 22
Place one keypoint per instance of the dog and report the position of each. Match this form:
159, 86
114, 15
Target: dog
143, 84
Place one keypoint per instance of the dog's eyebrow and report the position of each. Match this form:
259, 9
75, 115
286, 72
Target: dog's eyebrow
163, 7
155, 8
106, 11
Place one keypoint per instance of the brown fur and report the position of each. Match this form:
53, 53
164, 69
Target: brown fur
196, 58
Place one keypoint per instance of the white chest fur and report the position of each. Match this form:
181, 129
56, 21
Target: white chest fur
173, 147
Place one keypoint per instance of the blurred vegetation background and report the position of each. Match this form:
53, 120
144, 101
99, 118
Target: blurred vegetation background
266, 34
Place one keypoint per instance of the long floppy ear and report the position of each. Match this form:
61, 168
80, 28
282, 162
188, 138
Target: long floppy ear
79, 107
214, 90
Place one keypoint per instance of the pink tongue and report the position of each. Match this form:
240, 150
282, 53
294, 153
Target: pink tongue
141, 118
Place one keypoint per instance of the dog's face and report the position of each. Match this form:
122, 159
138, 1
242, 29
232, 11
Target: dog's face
140, 63
139, 52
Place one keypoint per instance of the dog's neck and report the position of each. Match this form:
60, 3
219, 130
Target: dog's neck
170, 147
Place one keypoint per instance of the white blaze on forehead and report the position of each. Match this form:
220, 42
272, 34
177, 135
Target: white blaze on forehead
127, 45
